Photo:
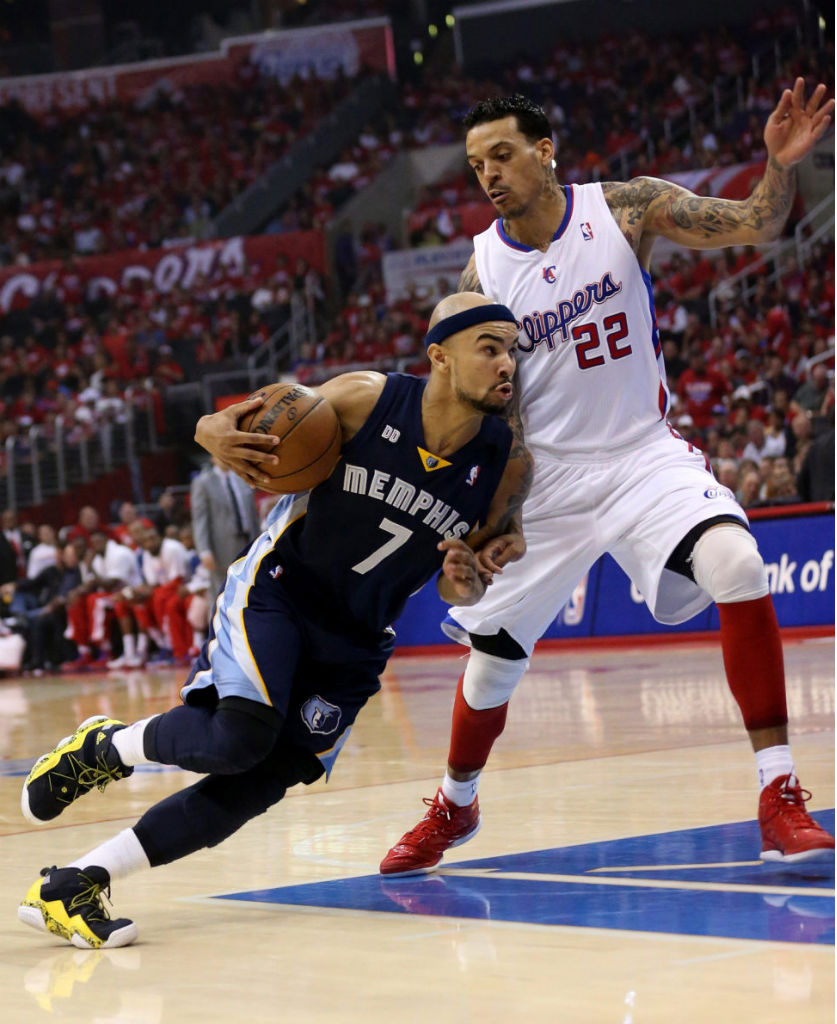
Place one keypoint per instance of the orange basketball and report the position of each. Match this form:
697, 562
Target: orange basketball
308, 431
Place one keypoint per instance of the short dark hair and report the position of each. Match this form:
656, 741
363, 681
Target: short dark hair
531, 119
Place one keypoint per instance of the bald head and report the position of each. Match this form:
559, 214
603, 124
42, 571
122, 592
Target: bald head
462, 311
457, 303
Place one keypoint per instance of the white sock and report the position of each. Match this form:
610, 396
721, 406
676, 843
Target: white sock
773, 762
129, 645
120, 856
142, 645
460, 793
128, 743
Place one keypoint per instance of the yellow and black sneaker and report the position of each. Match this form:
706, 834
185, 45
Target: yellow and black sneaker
69, 903
77, 764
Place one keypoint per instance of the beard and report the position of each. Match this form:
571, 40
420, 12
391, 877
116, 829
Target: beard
490, 404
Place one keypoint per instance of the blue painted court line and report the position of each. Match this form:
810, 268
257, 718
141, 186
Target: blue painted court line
692, 882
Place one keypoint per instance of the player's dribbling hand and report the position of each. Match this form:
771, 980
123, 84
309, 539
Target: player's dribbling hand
235, 449
461, 572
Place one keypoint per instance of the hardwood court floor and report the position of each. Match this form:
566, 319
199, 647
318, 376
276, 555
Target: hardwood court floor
614, 881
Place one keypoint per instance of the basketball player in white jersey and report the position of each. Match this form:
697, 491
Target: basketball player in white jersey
571, 262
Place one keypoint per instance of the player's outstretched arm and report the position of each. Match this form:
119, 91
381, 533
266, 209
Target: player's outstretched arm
647, 207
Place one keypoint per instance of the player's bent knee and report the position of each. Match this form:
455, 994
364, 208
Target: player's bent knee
489, 681
726, 563
240, 740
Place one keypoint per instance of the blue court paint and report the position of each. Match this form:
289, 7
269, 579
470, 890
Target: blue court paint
597, 895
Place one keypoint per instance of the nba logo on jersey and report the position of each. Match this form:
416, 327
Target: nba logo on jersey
586, 231
473, 473
275, 572
319, 715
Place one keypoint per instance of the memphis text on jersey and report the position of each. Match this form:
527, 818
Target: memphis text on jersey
401, 494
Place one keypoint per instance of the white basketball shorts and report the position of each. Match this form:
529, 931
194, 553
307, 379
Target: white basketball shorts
636, 504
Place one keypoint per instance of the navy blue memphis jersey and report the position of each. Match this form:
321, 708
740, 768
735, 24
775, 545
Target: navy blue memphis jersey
368, 537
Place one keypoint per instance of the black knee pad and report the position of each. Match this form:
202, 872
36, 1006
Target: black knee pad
230, 738
240, 739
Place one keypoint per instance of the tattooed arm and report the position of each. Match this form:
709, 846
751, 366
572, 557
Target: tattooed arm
501, 540
647, 207
469, 279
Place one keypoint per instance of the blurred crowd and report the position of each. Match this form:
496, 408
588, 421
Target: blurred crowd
88, 357
122, 176
104, 596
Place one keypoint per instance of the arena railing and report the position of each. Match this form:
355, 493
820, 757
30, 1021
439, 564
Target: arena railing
45, 461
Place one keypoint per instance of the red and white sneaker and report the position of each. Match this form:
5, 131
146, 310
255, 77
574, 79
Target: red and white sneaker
444, 826
788, 833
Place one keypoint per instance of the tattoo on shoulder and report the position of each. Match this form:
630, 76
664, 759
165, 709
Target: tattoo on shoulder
469, 279
628, 201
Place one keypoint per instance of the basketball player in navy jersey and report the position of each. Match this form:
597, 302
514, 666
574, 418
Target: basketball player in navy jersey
300, 632
572, 263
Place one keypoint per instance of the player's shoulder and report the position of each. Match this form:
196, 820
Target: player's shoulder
357, 385
353, 396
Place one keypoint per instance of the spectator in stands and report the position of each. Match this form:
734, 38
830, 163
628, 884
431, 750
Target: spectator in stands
760, 445
813, 396
114, 568
780, 488
88, 522
45, 552
749, 493
127, 516
776, 432
158, 605
675, 363
169, 515
815, 480
727, 473
41, 615
801, 432
701, 389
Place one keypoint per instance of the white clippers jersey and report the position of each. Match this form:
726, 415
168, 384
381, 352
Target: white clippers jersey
590, 367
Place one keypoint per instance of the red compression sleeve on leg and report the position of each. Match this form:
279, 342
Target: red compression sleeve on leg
752, 649
473, 733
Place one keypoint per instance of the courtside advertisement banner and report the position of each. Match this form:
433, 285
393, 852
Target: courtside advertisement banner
799, 557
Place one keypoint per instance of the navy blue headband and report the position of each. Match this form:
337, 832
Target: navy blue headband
468, 318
